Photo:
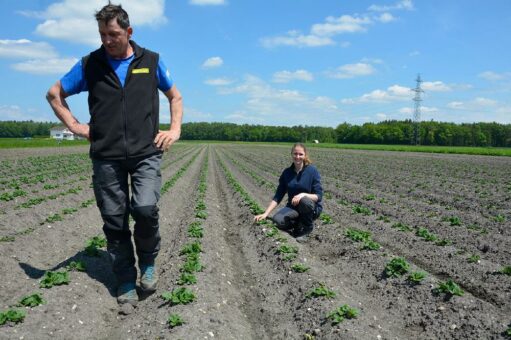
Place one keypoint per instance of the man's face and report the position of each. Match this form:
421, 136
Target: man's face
115, 39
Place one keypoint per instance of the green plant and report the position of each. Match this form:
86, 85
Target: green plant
325, 218
12, 315
93, 244
371, 245
370, 197
290, 257
273, 231
76, 265
51, 279
473, 258
397, 267
416, 277
357, 235
53, 218
443, 242
287, 249
358, 209
506, 270
187, 279
500, 218
202, 214
32, 300
299, 268
449, 287
195, 230
453, 220
192, 265
179, 296
341, 313
383, 218
7, 239
401, 227
191, 248
175, 320
320, 291
425, 234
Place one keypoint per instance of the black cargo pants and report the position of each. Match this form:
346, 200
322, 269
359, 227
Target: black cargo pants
300, 216
111, 181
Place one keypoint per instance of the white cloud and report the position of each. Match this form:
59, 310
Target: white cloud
342, 24
26, 49
213, 62
73, 20
352, 71
455, 105
287, 76
493, 76
393, 93
218, 82
45, 66
272, 106
436, 86
386, 17
480, 101
400, 5
476, 103
294, 38
414, 53
381, 116
207, 2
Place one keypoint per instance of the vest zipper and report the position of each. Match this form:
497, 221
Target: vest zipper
125, 122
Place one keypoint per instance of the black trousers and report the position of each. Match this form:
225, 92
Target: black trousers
302, 215
111, 181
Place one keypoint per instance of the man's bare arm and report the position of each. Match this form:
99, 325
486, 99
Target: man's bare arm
56, 98
164, 139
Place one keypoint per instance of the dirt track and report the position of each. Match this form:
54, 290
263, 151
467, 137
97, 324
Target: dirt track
246, 290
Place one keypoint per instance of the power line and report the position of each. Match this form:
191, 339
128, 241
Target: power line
417, 110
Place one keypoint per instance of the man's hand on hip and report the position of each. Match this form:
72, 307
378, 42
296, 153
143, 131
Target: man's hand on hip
164, 139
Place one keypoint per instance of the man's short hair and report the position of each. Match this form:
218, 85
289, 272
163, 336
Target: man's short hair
110, 12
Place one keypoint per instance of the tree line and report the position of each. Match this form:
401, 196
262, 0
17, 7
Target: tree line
385, 132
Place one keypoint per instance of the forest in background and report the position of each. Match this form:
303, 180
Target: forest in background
385, 132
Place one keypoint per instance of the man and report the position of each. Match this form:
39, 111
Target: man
123, 79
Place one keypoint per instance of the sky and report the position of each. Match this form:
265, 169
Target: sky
279, 62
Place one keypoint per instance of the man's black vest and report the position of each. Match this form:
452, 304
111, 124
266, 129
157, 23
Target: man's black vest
124, 120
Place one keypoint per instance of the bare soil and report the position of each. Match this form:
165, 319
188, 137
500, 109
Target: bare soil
246, 289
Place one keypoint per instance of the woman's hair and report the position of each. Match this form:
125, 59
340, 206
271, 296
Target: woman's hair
306, 159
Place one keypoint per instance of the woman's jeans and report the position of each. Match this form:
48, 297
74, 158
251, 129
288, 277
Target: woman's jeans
300, 216
112, 191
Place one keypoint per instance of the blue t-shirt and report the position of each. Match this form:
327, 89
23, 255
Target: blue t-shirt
74, 82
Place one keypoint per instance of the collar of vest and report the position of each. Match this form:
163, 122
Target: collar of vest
100, 53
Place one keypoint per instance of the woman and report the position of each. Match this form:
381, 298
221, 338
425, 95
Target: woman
302, 183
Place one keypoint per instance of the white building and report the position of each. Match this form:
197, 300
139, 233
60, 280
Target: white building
61, 132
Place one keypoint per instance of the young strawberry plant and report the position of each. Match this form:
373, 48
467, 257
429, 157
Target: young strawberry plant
370, 245
179, 296
195, 230
272, 232
397, 267
53, 218
299, 268
443, 242
401, 227
93, 245
320, 291
325, 218
32, 300
76, 266
450, 288
12, 315
175, 320
187, 279
425, 234
340, 314
51, 279
357, 235
358, 209
416, 277
506, 270
287, 249
191, 248
473, 258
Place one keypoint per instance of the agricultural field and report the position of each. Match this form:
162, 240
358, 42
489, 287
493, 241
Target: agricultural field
410, 246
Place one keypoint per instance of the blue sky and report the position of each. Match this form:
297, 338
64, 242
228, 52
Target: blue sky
280, 62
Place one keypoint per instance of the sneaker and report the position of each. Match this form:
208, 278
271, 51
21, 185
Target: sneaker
302, 234
149, 278
127, 293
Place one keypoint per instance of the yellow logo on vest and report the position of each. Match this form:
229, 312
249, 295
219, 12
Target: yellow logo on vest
140, 70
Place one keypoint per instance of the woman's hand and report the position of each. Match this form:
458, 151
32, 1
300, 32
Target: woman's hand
296, 199
258, 218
